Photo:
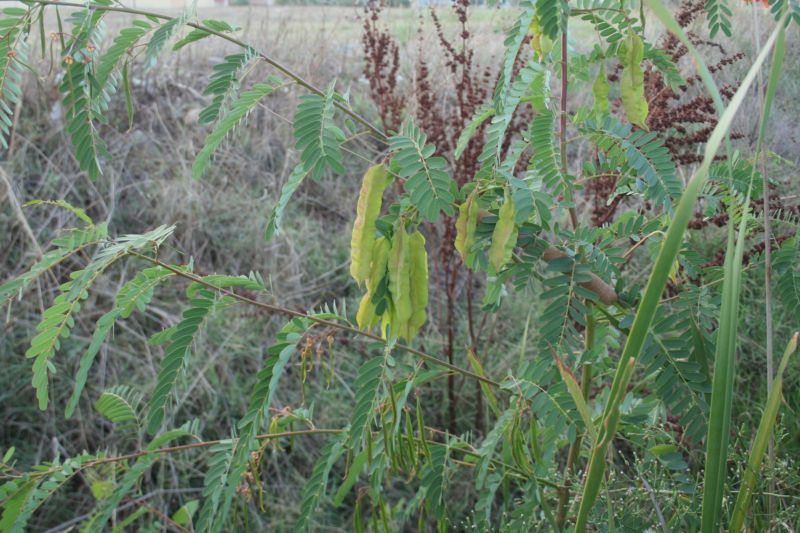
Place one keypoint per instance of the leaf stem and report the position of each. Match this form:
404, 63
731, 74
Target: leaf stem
374, 130
562, 133
282, 310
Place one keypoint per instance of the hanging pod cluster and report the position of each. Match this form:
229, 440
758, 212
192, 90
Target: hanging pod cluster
394, 271
632, 80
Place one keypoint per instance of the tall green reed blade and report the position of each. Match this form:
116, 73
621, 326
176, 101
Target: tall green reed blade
725, 356
658, 277
745, 495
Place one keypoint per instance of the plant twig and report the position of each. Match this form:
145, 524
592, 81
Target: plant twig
374, 130
329, 323
562, 134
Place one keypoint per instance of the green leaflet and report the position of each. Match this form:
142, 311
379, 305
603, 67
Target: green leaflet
367, 383
368, 209
504, 236
198, 34
135, 294
13, 57
119, 404
600, 90
14, 500
82, 118
22, 497
239, 111
632, 80
219, 465
315, 486
68, 244
719, 16
481, 115
123, 42
58, 320
224, 83
643, 153
546, 160
428, 184
551, 14
163, 34
512, 43
292, 184
317, 138
176, 355
433, 480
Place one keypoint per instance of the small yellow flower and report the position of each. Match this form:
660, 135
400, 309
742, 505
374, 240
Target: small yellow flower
68, 59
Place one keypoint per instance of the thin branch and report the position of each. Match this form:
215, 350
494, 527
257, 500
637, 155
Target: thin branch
329, 323
205, 444
376, 132
562, 133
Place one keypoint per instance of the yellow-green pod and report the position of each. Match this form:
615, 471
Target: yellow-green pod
466, 223
387, 321
419, 283
600, 90
541, 44
366, 316
632, 81
380, 258
367, 212
399, 279
504, 236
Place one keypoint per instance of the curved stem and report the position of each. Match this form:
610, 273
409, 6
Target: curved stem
374, 130
562, 134
342, 327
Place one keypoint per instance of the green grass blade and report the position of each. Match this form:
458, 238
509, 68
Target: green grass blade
655, 285
760, 443
725, 356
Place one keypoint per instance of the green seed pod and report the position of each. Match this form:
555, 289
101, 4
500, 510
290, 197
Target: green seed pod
366, 316
541, 44
600, 90
387, 321
367, 211
400, 280
418, 282
504, 237
632, 80
466, 224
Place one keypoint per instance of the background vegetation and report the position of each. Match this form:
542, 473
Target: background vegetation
219, 224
